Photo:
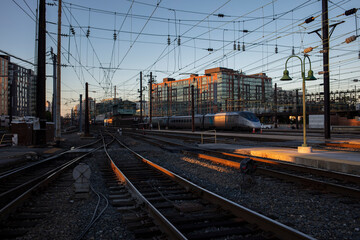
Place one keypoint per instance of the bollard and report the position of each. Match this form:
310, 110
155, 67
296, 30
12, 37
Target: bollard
81, 175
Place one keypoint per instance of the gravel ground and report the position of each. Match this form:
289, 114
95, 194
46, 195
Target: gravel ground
323, 216
70, 215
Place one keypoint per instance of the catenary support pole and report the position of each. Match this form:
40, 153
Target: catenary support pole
297, 109
150, 100
80, 115
141, 97
276, 106
86, 109
41, 76
54, 90
325, 40
58, 78
192, 109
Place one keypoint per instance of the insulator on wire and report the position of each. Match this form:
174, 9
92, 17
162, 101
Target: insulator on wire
350, 11
88, 32
220, 15
293, 51
179, 41
243, 47
309, 20
307, 50
238, 46
276, 49
168, 40
210, 49
234, 46
350, 39
115, 36
72, 30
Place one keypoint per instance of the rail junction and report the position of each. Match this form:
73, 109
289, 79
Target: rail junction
167, 185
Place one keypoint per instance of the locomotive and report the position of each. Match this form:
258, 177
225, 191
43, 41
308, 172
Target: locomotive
241, 120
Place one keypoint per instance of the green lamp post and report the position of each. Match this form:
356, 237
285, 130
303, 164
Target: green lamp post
304, 148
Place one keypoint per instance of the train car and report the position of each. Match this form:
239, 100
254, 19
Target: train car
232, 120
185, 122
248, 121
157, 121
243, 120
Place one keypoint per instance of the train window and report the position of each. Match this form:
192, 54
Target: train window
249, 115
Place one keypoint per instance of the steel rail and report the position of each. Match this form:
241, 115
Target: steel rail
343, 145
305, 169
335, 188
165, 225
6, 174
280, 230
52, 174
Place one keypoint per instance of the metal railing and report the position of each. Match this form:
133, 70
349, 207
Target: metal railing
211, 137
6, 141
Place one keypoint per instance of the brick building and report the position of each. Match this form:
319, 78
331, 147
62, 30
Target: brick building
18, 86
218, 90
4, 85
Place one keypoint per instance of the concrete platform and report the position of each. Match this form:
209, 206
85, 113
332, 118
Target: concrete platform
347, 162
289, 136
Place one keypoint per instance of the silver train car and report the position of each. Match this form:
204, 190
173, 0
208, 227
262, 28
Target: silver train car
243, 120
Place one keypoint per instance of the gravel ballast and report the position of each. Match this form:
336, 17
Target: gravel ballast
323, 216
70, 214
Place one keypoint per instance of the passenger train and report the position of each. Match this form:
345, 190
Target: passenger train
243, 120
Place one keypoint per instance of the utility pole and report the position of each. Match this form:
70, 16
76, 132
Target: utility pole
114, 93
325, 40
192, 109
86, 109
276, 106
54, 89
325, 37
36, 36
80, 117
58, 80
168, 106
238, 91
71, 116
167, 100
141, 97
41, 76
150, 100
297, 109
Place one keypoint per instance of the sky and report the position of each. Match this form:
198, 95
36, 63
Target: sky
143, 27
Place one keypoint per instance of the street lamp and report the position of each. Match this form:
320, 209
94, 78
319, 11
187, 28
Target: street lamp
304, 148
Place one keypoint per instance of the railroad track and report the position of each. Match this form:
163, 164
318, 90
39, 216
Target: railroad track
319, 179
18, 186
183, 210
191, 138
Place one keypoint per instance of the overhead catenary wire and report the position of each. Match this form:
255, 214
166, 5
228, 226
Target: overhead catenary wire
127, 52
198, 61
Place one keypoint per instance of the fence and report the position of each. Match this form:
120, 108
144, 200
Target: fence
211, 137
